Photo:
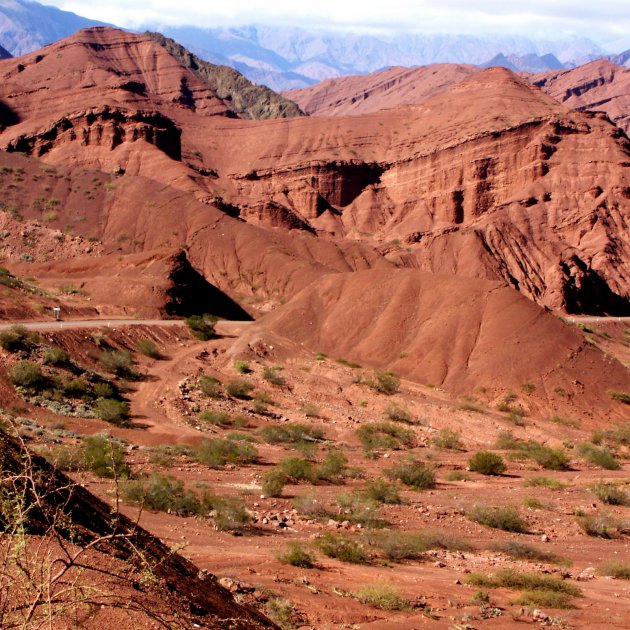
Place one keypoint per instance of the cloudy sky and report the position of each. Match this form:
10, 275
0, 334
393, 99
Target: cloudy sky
602, 20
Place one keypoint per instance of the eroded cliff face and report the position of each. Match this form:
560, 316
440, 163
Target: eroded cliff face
489, 178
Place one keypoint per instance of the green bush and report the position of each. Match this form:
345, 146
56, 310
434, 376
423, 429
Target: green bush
103, 389
104, 457
231, 514
56, 356
223, 419
382, 596
601, 526
413, 473
546, 482
610, 494
487, 463
76, 388
117, 362
297, 557
149, 348
342, 548
210, 386
385, 435
448, 440
616, 569
357, 508
162, 494
274, 481
17, 338
240, 389
623, 397
332, 468
397, 546
291, 433
399, 413
550, 458
523, 551
385, 382
28, 375
242, 367
297, 468
65, 458
273, 376
546, 599
381, 491
505, 518
598, 455
112, 410
216, 453
202, 326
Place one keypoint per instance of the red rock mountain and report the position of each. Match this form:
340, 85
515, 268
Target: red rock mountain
488, 178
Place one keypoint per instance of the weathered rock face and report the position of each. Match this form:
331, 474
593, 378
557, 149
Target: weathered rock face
447, 331
489, 178
600, 85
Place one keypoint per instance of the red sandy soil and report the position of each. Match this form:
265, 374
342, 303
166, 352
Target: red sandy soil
163, 407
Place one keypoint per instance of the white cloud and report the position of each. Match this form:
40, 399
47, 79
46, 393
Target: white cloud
606, 19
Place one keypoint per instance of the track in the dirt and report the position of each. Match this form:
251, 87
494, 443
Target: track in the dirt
108, 323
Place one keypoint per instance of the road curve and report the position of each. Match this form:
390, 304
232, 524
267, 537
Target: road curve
110, 323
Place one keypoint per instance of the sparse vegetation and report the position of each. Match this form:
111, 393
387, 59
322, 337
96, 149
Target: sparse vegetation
507, 519
381, 491
610, 493
242, 366
202, 326
385, 382
27, 374
160, 493
274, 481
342, 547
217, 452
448, 440
384, 435
291, 433
240, 389
546, 482
56, 357
398, 413
616, 569
382, 596
149, 348
487, 463
17, 338
523, 551
623, 397
601, 525
297, 557
117, 362
413, 473
104, 457
272, 375
598, 455
210, 386
112, 410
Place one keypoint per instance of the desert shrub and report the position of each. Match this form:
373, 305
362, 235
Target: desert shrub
549, 458
76, 388
509, 578
601, 526
291, 433
533, 503
399, 413
546, 482
382, 596
598, 455
487, 463
332, 468
342, 548
350, 364
274, 481
505, 518
56, 356
202, 326
297, 468
149, 348
28, 375
240, 389
65, 458
610, 494
103, 389
385, 435
311, 410
381, 491
385, 382
230, 514
546, 599
272, 375
311, 505
457, 475
616, 569
240, 437
117, 362
523, 551
242, 366
17, 338
210, 386
297, 557
413, 473
397, 546
223, 419
448, 440
623, 397
280, 611
357, 508
160, 493
104, 457
216, 453
112, 410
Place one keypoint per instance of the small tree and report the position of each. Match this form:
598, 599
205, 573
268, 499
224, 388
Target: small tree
202, 326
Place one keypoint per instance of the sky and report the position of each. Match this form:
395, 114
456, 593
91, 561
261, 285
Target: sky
602, 20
